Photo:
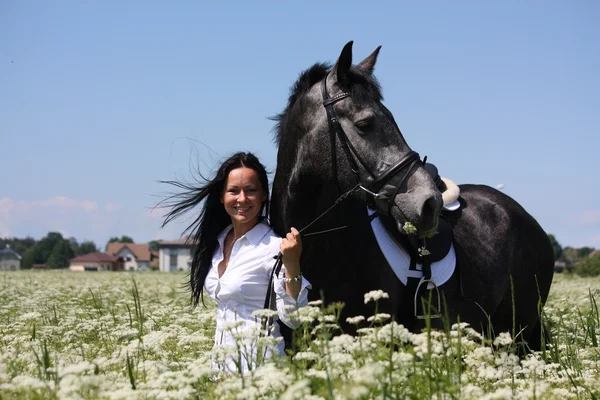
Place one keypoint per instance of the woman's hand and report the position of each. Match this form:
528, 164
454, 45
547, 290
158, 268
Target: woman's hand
291, 249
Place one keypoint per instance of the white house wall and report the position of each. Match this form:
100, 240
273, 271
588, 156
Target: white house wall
132, 264
183, 258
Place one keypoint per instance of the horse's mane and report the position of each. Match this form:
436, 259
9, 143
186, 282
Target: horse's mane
305, 81
367, 89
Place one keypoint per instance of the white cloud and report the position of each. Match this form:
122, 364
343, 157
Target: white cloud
589, 217
110, 206
82, 219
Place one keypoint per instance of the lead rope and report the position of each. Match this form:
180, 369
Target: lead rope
270, 304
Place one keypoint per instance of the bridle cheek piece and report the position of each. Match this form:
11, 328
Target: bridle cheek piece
369, 182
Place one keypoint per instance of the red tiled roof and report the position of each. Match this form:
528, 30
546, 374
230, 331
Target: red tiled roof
141, 251
95, 257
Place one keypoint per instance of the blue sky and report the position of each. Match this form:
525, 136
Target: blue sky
100, 100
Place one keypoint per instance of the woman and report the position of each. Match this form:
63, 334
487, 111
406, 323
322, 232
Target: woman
234, 257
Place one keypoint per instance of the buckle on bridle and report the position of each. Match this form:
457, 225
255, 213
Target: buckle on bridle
375, 195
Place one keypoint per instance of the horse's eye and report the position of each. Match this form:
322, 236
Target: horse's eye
364, 124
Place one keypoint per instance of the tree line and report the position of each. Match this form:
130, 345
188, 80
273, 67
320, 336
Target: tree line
577, 259
53, 250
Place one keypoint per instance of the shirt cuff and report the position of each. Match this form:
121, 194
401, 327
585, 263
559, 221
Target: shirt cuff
286, 304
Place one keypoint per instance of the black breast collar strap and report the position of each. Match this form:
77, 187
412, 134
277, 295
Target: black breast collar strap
369, 182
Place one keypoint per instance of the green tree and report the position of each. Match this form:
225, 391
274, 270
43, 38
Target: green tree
570, 255
44, 248
558, 250
589, 266
74, 244
122, 239
61, 254
87, 247
153, 244
28, 258
583, 252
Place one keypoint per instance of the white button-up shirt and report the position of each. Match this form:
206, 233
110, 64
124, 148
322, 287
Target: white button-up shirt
243, 286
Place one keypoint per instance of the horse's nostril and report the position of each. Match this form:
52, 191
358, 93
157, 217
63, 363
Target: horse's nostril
430, 208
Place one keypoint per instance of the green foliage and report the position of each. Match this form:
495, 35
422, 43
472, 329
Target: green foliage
153, 245
122, 239
584, 251
18, 245
87, 247
558, 250
46, 246
60, 256
589, 266
571, 255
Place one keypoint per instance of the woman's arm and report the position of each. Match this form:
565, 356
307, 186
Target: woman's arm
291, 288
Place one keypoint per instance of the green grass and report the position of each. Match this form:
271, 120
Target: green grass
133, 336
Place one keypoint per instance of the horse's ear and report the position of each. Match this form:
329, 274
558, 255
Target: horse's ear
343, 64
368, 64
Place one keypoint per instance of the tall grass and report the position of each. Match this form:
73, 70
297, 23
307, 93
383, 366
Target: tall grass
124, 336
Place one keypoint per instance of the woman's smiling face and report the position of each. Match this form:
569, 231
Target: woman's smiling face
243, 197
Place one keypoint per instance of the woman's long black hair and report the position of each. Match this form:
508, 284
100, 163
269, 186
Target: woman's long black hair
213, 218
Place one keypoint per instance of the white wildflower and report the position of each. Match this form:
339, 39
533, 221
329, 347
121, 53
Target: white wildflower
409, 228
375, 295
31, 316
305, 356
379, 317
265, 313
503, 339
298, 390
355, 320
423, 251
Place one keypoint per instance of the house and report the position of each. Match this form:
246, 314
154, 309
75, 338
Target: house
563, 265
131, 256
94, 262
10, 260
175, 255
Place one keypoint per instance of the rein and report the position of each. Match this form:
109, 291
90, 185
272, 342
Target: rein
270, 298
371, 183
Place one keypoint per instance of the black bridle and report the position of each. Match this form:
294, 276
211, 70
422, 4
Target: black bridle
371, 183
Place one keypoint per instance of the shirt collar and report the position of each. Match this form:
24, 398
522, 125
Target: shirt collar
254, 235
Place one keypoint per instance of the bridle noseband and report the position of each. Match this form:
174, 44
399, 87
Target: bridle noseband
371, 183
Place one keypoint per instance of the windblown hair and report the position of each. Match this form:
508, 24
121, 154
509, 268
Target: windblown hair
213, 218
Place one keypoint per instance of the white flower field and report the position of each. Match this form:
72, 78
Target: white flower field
108, 335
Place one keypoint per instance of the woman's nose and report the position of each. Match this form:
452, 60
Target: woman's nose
242, 196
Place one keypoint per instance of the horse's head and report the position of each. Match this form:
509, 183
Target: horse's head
345, 135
